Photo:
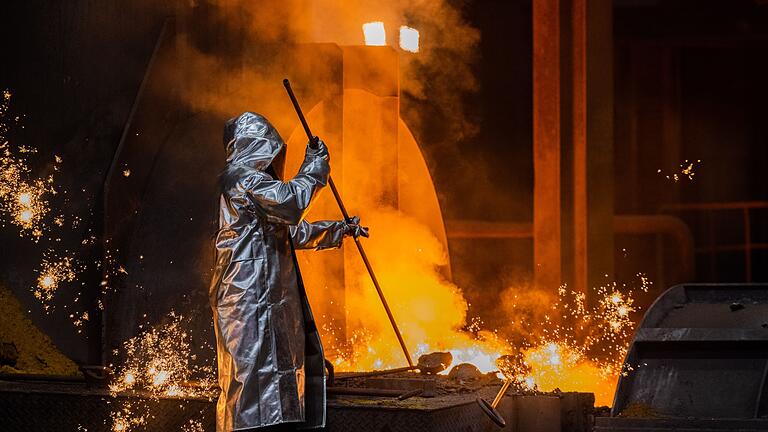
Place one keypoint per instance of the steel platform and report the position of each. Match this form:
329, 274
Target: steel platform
74, 406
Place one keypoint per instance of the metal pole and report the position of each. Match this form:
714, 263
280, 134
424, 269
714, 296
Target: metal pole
313, 144
490, 408
500, 394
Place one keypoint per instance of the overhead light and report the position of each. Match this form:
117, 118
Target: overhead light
409, 39
374, 33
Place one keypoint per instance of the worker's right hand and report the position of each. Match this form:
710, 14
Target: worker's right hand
321, 151
352, 228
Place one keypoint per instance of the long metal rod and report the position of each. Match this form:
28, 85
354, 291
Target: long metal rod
500, 394
313, 144
375, 373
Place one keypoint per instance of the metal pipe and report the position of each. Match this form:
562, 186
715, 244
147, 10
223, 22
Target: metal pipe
410, 394
490, 408
353, 375
622, 224
735, 205
661, 224
313, 144
500, 394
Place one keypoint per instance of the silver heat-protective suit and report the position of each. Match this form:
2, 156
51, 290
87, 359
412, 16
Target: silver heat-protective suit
270, 359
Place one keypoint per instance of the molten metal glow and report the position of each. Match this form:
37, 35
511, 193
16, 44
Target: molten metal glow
560, 365
374, 33
431, 311
409, 39
567, 344
582, 348
554, 335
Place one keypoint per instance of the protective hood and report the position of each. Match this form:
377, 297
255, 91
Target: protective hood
251, 140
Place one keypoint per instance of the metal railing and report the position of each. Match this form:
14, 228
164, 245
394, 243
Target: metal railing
638, 225
710, 246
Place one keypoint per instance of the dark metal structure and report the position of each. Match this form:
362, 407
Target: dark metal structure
148, 205
699, 361
77, 406
73, 406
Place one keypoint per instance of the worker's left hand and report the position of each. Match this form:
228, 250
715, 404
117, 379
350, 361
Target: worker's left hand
321, 151
353, 228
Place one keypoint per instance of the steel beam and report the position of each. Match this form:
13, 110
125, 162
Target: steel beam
592, 140
546, 144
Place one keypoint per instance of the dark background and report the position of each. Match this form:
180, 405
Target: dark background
689, 84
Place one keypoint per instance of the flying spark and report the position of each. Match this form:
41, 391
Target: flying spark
158, 362
686, 170
23, 199
54, 271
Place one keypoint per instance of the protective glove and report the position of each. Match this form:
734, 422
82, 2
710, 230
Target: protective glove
321, 151
353, 228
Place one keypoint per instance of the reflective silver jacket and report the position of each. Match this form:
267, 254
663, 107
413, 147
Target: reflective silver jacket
270, 360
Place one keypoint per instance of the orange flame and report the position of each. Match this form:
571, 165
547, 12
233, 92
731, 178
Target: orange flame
430, 310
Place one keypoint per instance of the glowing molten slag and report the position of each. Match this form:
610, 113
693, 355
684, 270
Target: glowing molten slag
556, 365
568, 345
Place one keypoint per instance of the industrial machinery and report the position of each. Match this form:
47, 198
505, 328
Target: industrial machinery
699, 361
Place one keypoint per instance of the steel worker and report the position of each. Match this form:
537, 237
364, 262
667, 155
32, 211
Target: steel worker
270, 358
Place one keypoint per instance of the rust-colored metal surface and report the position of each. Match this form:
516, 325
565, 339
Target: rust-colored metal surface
546, 143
